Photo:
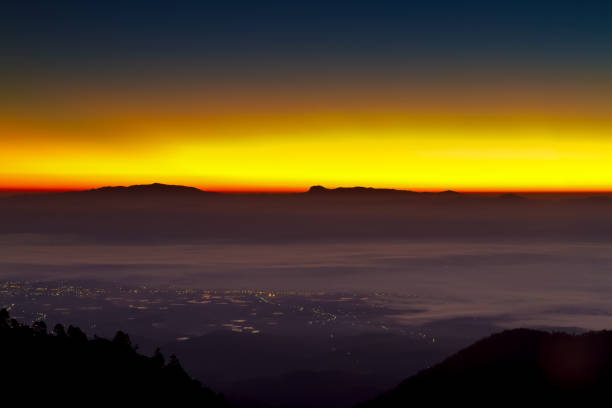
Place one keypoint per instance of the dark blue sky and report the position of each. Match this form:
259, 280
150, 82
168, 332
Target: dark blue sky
65, 35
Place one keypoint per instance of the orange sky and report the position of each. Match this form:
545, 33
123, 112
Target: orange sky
263, 96
520, 135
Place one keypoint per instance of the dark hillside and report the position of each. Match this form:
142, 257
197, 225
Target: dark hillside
512, 368
66, 367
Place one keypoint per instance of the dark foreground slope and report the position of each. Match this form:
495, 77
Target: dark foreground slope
514, 368
68, 368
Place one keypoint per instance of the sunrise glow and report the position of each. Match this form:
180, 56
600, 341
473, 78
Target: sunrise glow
262, 116
261, 155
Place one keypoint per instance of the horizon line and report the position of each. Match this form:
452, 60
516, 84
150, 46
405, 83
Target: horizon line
296, 190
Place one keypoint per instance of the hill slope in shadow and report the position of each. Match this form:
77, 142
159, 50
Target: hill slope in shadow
511, 368
66, 367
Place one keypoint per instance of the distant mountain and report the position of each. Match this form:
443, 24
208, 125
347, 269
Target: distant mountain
449, 193
371, 191
155, 188
66, 367
356, 190
512, 368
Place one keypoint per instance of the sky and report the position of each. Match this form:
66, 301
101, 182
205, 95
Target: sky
278, 96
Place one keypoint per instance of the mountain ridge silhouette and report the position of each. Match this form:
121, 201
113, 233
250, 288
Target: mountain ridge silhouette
158, 188
513, 367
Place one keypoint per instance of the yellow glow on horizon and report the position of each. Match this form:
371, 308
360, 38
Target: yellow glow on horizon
292, 154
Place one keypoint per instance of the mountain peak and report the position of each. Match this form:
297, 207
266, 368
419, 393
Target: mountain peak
356, 190
158, 188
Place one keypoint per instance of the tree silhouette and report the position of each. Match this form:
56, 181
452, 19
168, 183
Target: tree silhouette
38, 365
39, 327
122, 338
59, 331
77, 334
